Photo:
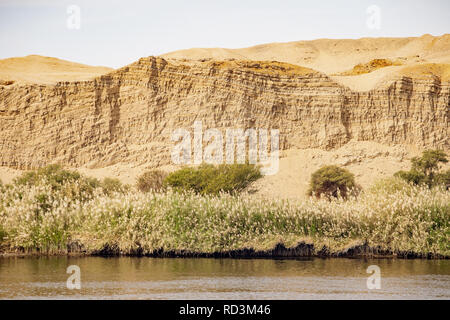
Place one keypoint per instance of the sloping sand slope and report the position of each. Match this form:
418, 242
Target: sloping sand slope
333, 56
39, 69
369, 161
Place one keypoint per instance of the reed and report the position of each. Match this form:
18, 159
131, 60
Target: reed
42, 218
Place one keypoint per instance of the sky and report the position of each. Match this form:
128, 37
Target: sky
115, 33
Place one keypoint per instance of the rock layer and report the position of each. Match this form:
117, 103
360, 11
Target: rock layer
128, 115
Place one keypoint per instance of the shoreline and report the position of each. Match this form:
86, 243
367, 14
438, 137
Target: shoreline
280, 251
411, 222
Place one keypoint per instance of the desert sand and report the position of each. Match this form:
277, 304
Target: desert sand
368, 161
46, 70
333, 56
425, 56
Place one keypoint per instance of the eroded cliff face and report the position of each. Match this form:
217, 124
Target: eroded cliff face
129, 115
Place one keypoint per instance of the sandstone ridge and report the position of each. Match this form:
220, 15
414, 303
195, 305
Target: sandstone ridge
127, 116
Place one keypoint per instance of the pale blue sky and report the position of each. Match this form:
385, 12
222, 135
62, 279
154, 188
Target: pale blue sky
115, 33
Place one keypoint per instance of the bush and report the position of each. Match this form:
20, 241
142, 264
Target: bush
151, 180
444, 179
210, 179
411, 176
69, 183
425, 169
332, 181
53, 174
390, 185
111, 185
2, 234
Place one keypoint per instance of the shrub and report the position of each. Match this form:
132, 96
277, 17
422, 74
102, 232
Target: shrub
54, 175
151, 180
331, 181
444, 179
111, 185
411, 176
2, 235
88, 184
429, 162
425, 169
390, 185
69, 183
210, 179
188, 178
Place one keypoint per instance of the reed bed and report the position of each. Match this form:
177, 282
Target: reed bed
38, 218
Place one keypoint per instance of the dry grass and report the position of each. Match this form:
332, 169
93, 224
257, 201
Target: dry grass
39, 218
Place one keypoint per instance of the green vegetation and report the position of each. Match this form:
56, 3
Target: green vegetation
51, 209
331, 181
151, 181
425, 169
67, 183
53, 175
36, 216
391, 185
70, 183
2, 235
444, 179
111, 185
210, 179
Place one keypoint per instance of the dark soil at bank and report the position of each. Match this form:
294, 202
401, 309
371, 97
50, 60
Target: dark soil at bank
280, 251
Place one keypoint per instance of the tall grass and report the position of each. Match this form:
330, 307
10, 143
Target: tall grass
38, 217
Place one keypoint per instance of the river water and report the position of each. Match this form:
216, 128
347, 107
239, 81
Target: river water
169, 278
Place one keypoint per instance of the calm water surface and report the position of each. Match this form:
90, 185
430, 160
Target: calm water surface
153, 278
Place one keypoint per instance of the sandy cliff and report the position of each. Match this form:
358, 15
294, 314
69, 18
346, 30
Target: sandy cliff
125, 118
128, 115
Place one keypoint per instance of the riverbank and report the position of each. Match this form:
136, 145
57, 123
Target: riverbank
410, 222
280, 251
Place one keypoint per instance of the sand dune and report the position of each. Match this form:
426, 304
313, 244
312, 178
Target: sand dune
333, 56
39, 69
415, 56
